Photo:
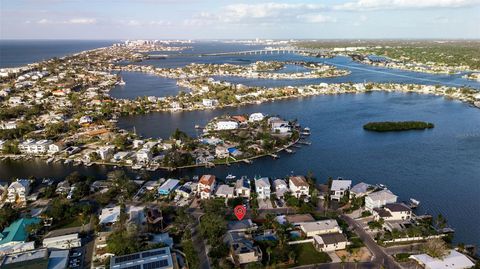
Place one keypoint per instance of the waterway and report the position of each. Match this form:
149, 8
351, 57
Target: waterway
440, 167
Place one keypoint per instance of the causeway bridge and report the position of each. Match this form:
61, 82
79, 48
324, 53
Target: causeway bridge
270, 51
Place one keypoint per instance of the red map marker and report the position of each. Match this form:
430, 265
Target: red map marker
240, 211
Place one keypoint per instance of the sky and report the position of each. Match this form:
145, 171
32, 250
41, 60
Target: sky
223, 19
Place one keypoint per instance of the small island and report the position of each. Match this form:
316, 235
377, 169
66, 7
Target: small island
389, 126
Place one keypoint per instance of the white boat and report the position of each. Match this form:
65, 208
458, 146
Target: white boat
50, 160
67, 161
121, 82
414, 202
230, 177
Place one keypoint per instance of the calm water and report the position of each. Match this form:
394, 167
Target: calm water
143, 84
439, 167
21, 52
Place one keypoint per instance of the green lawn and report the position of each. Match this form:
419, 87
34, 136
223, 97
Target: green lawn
306, 254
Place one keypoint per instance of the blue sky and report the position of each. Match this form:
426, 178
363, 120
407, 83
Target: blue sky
200, 19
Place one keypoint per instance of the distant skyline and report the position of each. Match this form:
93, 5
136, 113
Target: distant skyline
222, 19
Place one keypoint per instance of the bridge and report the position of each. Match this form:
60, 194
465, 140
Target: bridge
269, 51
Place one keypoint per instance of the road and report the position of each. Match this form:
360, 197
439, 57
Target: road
197, 238
379, 255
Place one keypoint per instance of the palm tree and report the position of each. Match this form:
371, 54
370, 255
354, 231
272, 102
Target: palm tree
269, 252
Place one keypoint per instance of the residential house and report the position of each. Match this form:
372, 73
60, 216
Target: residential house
121, 156
245, 225
13, 238
63, 187
18, 191
379, 199
37, 258
320, 227
63, 242
360, 190
226, 125
169, 186
225, 191
242, 187
205, 186
330, 242
110, 214
56, 147
454, 260
209, 102
339, 188
242, 249
262, 188
105, 153
85, 120
186, 190
221, 152
159, 258
299, 186
256, 117
144, 156
393, 212
280, 187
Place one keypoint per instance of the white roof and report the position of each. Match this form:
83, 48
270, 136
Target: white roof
58, 259
382, 195
109, 215
340, 185
60, 238
262, 182
322, 225
454, 260
225, 190
360, 188
279, 182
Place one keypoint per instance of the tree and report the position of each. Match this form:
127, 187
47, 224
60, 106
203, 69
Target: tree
213, 227
437, 248
7, 215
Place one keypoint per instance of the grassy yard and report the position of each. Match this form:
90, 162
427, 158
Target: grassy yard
306, 254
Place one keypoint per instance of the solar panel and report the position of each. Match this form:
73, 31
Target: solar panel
154, 253
156, 264
127, 258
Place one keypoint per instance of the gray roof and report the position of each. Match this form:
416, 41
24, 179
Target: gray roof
329, 239
397, 207
361, 187
382, 195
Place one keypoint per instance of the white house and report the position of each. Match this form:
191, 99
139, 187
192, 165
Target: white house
169, 186
330, 242
144, 156
339, 188
63, 242
85, 120
454, 260
256, 117
221, 152
299, 186
105, 153
242, 187
186, 190
9, 125
63, 187
379, 199
55, 148
226, 125
360, 190
312, 228
205, 186
393, 212
31, 146
280, 187
262, 188
225, 191
18, 191
209, 102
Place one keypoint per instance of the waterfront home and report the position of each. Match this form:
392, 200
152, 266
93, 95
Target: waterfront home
31, 146
137, 143
379, 199
18, 191
169, 186
393, 212
242, 249
226, 125
105, 153
144, 156
56, 147
150, 145
254, 117
221, 152
296, 219
330, 242
205, 186
262, 188
13, 238
210, 102
280, 187
37, 258
319, 227
63, 242
360, 190
454, 260
160, 258
9, 125
278, 125
299, 186
242, 187
121, 156
339, 188
225, 191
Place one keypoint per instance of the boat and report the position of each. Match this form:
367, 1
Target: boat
50, 160
121, 82
198, 126
230, 177
136, 166
67, 161
289, 151
414, 203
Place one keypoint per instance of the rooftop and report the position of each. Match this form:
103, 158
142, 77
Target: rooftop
299, 181
397, 207
207, 180
319, 225
360, 188
454, 260
340, 185
154, 258
17, 231
262, 182
382, 195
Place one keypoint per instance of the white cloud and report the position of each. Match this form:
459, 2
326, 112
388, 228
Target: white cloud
44, 21
81, 21
263, 13
403, 4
